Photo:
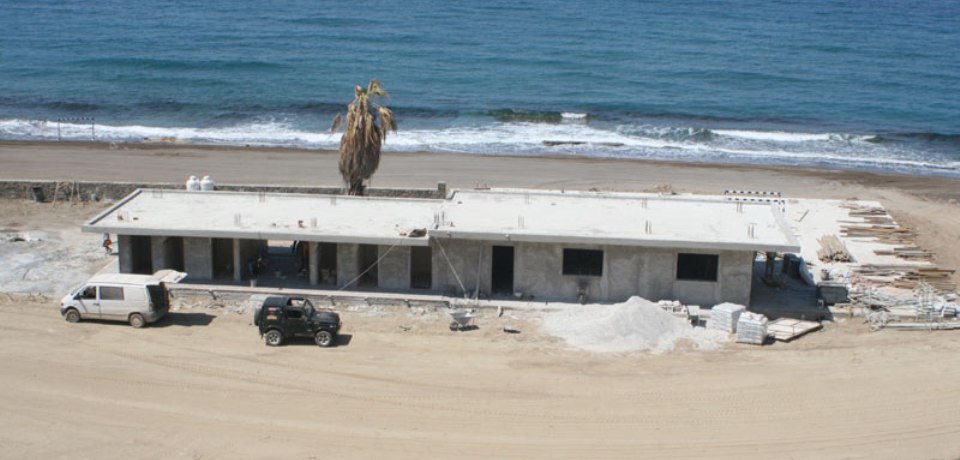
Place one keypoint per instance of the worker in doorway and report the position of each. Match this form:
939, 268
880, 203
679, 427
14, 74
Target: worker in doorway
107, 243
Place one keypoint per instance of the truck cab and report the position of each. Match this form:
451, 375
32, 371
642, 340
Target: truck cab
280, 318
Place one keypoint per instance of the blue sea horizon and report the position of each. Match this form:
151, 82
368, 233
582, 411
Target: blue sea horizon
814, 83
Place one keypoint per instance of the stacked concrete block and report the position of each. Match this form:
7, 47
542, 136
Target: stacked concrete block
752, 328
724, 317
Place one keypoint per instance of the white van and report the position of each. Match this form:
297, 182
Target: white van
137, 299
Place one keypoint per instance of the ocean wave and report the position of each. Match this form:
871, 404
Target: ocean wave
529, 138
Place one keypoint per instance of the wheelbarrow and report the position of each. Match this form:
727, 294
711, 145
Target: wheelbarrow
461, 320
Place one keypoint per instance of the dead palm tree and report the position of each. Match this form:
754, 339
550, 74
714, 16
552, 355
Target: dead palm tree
364, 132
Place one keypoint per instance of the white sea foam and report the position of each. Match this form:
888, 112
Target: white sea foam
625, 141
776, 136
573, 115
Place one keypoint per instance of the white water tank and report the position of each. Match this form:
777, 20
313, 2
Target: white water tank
193, 184
206, 184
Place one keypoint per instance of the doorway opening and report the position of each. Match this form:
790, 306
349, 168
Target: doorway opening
421, 270
502, 271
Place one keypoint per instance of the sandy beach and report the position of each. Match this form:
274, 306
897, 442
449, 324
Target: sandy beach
201, 384
927, 203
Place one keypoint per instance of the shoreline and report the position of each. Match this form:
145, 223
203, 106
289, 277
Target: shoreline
185, 149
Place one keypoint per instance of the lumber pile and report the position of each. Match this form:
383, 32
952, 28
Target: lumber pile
833, 250
889, 234
906, 252
909, 276
938, 279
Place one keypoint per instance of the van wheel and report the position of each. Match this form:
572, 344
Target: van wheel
137, 321
273, 338
324, 338
72, 316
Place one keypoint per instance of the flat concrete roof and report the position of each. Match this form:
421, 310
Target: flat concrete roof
627, 219
588, 218
269, 216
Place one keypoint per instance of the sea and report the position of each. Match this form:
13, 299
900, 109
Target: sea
840, 84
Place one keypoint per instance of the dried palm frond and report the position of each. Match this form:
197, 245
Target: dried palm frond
336, 123
365, 130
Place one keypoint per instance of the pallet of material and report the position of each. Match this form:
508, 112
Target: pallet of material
787, 329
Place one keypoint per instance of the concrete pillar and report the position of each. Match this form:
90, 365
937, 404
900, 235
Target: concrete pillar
198, 257
394, 268
158, 254
238, 262
314, 261
347, 263
125, 253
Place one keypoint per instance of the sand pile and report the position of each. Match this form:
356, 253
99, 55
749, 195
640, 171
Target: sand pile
636, 324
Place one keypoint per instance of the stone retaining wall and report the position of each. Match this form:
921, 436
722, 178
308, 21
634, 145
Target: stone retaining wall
96, 191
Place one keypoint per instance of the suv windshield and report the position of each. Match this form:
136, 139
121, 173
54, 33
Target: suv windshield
307, 310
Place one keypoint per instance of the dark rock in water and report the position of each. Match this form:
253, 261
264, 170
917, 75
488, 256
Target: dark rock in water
556, 143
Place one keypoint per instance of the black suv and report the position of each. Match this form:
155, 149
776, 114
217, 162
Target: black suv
281, 317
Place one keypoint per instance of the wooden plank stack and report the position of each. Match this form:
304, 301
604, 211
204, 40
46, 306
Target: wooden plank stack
909, 276
939, 279
787, 329
907, 252
833, 250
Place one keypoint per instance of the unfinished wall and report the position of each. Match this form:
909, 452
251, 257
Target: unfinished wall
736, 273
167, 252
347, 264
395, 268
627, 271
198, 258
465, 258
125, 253
95, 191
734, 278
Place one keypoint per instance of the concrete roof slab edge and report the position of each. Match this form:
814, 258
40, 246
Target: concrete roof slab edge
601, 241
283, 236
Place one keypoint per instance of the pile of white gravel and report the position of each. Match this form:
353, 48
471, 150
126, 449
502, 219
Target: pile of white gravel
49, 262
636, 324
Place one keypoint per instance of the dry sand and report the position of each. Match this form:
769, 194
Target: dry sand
202, 384
205, 386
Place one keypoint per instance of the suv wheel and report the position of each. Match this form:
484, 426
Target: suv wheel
72, 316
137, 321
324, 338
273, 338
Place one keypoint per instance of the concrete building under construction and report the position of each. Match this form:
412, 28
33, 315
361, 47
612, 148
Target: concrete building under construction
543, 245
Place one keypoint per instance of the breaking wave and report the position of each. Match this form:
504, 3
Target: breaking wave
913, 153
